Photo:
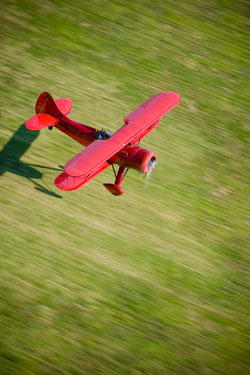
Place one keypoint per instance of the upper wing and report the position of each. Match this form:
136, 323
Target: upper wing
94, 158
145, 115
87, 164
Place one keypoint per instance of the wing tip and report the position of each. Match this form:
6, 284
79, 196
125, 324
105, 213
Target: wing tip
66, 182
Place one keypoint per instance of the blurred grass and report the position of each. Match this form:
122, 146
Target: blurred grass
156, 281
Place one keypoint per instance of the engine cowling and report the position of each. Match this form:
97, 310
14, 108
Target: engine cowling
145, 160
138, 158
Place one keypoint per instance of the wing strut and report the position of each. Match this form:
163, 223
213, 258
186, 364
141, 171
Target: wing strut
125, 173
114, 170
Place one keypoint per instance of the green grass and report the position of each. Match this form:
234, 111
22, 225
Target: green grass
155, 282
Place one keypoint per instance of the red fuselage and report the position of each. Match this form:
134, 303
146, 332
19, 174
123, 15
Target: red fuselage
131, 156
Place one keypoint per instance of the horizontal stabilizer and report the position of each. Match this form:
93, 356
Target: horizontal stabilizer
40, 121
64, 105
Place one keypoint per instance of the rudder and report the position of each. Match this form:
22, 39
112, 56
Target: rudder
45, 104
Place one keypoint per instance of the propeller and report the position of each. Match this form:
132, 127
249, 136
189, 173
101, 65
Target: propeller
149, 176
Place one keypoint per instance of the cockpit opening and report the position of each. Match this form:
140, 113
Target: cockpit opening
103, 134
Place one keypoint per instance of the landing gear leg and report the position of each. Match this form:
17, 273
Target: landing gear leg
115, 188
119, 176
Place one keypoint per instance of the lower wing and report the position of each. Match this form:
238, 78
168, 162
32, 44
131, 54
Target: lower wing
66, 182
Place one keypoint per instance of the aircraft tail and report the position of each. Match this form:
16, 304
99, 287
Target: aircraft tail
48, 111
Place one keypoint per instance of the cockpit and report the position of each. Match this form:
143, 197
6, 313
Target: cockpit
103, 134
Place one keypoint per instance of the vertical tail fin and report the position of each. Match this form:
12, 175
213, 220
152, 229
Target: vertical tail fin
58, 108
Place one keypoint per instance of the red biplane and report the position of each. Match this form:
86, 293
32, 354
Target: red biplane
103, 149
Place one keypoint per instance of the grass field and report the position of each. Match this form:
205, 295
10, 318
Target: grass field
155, 282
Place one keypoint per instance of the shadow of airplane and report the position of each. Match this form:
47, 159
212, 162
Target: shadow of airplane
10, 161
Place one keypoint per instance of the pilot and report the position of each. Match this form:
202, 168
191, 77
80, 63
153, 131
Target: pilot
102, 134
